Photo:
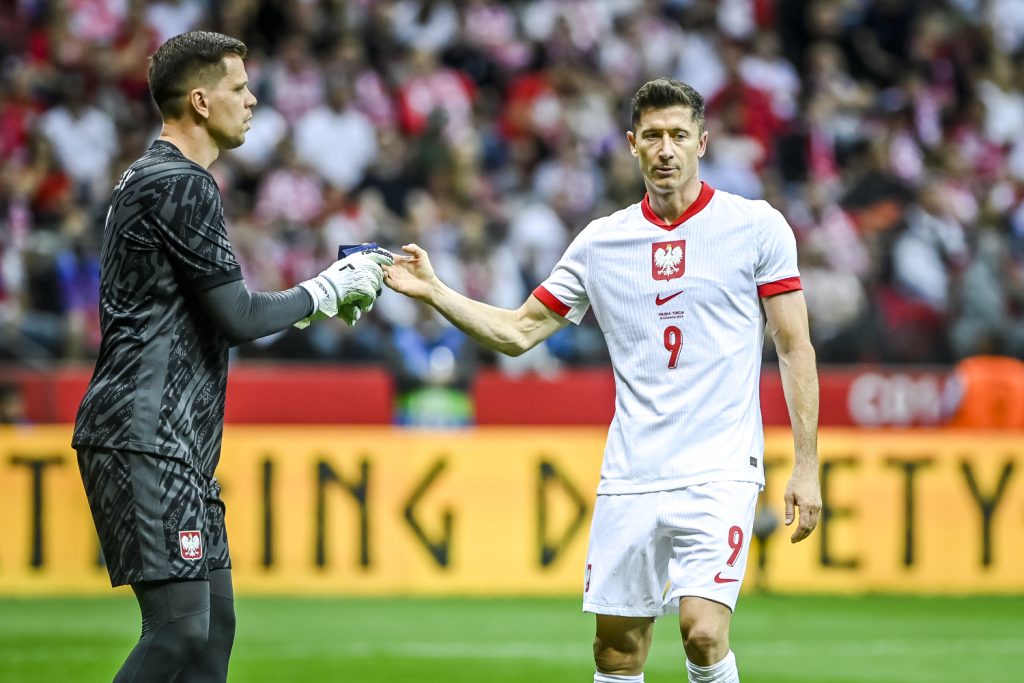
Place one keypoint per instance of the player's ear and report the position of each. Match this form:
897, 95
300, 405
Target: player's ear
631, 138
200, 103
702, 146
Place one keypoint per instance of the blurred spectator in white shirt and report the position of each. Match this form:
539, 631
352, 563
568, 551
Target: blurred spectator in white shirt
537, 237
491, 26
1001, 94
336, 140
295, 81
292, 192
173, 17
582, 23
370, 92
926, 254
96, 20
424, 24
1006, 19
767, 69
84, 138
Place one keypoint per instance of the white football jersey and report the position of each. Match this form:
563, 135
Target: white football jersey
679, 306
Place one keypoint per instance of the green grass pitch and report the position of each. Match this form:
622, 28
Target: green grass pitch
777, 639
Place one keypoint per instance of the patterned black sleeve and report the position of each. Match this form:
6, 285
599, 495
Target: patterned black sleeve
190, 222
242, 316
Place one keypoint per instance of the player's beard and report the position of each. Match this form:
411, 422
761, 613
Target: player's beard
231, 141
237, 141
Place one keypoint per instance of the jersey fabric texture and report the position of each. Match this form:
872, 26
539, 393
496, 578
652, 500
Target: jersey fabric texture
157, 518
161, 375
679, 306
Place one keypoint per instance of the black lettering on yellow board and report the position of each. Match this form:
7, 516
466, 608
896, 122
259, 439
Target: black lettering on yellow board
326, 475
830, 513
267, 490
548, 475
987, 504
910, 468
439, 549
37, 466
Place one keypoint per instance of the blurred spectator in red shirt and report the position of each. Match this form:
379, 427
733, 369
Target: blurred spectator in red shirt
429, 89
751, 106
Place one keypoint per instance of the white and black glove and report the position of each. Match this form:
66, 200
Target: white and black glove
348, 287
353, 306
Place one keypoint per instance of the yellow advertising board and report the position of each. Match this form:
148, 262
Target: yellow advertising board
386, 511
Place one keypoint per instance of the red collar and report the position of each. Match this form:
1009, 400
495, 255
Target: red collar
706, 191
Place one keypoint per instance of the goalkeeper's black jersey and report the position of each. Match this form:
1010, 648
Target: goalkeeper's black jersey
161, 376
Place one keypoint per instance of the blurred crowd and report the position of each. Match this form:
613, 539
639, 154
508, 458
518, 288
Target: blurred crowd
888, 132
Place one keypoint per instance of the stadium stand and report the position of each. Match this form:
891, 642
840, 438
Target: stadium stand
887, 131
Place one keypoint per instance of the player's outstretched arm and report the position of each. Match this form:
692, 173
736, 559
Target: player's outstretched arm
242, 316
787, 322
510, 332
348, 287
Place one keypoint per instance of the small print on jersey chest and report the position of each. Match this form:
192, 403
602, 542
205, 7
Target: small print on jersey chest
668, 264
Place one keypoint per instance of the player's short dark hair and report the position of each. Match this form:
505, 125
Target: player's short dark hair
666, 92
186, 61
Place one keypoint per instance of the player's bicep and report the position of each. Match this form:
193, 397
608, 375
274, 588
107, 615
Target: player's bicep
537, 322
786, 317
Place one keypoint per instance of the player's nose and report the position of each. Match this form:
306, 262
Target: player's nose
665, 150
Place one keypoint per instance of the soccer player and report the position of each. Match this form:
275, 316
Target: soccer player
679, 283
172, 300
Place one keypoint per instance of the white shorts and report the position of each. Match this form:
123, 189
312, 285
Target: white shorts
649, 549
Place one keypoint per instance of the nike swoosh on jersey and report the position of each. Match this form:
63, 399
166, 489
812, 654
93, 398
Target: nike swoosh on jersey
720, 579
659, 300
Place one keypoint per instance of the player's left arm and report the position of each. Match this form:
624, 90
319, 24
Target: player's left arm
786, 315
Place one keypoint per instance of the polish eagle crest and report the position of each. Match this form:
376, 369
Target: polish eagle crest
191, 544
668, 260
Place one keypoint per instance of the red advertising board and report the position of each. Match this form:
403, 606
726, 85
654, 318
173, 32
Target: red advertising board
257, 394
283, 394
856, 397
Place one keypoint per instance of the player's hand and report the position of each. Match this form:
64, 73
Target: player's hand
411, 274
803, 492
348, 287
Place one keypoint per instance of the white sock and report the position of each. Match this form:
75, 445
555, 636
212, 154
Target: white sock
612, 678
722, 672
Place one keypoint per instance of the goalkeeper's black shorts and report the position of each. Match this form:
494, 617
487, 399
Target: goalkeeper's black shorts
157, 518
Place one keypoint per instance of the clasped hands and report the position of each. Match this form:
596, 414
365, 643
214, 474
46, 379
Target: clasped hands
348, 287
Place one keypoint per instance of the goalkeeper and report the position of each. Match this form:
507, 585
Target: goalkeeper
172, 301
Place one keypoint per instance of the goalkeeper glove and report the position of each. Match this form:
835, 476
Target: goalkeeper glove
348, 287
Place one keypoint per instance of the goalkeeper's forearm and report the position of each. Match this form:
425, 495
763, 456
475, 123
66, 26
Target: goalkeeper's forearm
500, 329
241, 315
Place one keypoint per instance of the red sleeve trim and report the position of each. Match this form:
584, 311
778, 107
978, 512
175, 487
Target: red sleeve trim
789, 284
549, 300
